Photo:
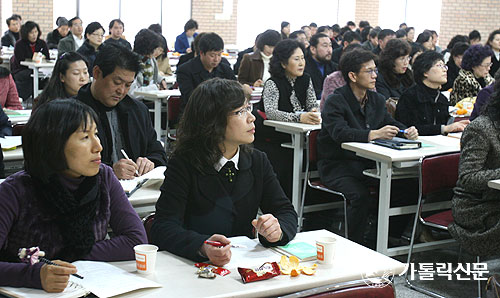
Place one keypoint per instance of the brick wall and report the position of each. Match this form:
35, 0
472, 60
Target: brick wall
204, 12
39, 11
367, 10
462, 16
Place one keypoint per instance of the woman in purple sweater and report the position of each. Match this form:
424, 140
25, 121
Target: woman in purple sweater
63, 201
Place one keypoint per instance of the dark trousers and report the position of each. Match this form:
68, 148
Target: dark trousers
24, 83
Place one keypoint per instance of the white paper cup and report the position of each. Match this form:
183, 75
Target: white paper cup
145, 258
325, 250
318, 114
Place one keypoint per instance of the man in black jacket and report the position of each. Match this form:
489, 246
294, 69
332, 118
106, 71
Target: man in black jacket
124, 123
12, 35
206, 65
319, 61
354, 114
348, 38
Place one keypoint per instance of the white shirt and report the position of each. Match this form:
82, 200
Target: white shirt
78, 41
224, 160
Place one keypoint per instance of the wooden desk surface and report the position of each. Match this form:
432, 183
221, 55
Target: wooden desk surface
177, 275
291, 127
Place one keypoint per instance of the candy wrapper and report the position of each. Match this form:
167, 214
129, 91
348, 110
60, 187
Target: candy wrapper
217, 270
266, 271
30, 255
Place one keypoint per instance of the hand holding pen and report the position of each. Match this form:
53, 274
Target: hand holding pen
218, 255
54, 278
410, 133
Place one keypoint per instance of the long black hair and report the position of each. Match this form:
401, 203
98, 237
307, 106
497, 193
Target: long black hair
55, 87
203, 124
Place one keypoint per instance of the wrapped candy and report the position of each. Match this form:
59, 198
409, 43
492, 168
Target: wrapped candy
266, 271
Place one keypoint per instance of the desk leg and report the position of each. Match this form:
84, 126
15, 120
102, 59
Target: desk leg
298, 151
383, 206
157, 119
35, 82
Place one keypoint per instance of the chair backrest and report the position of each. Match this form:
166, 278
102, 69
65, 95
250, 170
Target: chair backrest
438, 172
312, 146
174, 108
148, 223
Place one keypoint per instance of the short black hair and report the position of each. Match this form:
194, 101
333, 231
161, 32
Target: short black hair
402, 25
269, 37
313, 25
423, 63
474, 34
93, 27
352, 61
323, 29
112, 23
351, 23
191, 24
156, 28
384, 33
315, 39
295, 34
27, 27
146, 41
211, 42
305, 26
456, 39
46, 133
349, 36
424, 37
459, 49
373, 32
196, 42
284, 24
408, 29
401, 33
282, 52
16, 16
111, 56
335, 28
492, 36
363, 24
70, 22
9, 19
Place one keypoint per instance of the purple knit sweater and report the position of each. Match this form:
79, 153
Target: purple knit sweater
23, 225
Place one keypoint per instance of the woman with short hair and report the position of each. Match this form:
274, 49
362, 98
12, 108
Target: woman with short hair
94, 34
494, 43
254, 68
64, 201
215, 182
474, 75
69, 74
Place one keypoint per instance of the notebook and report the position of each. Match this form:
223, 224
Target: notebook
10, 142
130, 186
302, 250
99, 278
398, 143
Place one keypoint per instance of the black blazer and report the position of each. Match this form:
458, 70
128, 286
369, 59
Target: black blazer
316, 76
424, 108
343, 120
22, 52
193, 205
192, 73
139, 136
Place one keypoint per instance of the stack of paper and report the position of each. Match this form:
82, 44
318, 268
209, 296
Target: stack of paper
129, 186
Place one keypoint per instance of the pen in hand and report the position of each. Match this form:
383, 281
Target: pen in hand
126, 156
49, 262
403, 131
219, 244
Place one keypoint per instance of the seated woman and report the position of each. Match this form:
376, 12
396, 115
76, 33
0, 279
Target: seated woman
289, 95
64, 200
27, 48
214, 191
184, 40
254, 68
476, 209
483, 98
474, 74
148, 45
425, 40
394, 75
285, 30
9, 97
164, 68
69, 74
494, 43
423, 105
454, 64
94, 34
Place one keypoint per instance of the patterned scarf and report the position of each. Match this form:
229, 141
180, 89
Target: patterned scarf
147, 71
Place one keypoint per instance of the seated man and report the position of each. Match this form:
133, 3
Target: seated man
11, 36
116, 28
354, 114
124, 122
383, 38
206, 65
319, 61
74, 39
348, 38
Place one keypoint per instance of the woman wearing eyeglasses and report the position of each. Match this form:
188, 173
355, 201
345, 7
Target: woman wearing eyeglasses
215, 182
93, 39
69, 74
394, 75
474, 74
423, 105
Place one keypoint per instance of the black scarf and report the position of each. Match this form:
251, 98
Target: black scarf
74, 213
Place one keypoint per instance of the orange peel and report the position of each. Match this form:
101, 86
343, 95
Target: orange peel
290, 266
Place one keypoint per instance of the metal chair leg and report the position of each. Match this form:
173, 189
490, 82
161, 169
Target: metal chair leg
478, 280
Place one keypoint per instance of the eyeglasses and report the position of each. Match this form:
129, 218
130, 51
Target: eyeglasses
486, 65
443, 66
404, 58
98, 35
245, 111
371, 71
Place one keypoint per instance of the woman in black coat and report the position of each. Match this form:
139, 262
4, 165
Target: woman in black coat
423, 105
29, 46
215, 183
93, 39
